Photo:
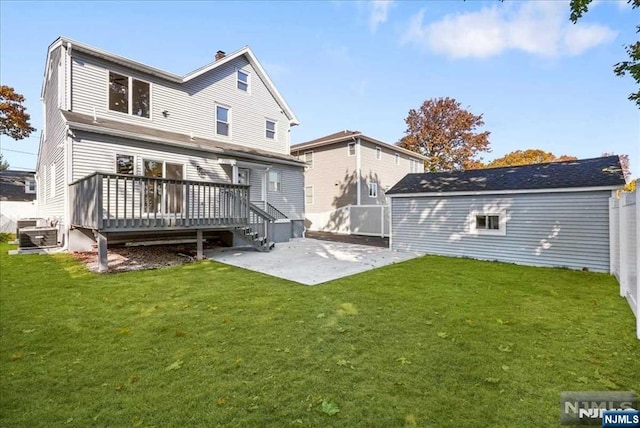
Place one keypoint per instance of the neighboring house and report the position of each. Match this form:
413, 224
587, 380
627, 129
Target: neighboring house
17, 198
130, 151
349, 169
551, 214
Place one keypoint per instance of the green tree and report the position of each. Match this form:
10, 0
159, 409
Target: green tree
632, 66
3, 163
446, 134
14, 119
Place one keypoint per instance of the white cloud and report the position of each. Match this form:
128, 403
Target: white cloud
539, 28
378, 13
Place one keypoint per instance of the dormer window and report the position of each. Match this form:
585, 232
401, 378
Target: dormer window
128, 95
242, 79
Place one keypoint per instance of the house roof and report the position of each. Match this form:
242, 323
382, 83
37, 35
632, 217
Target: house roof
12, 185
73, 45
586, 173
348, 135
104, 126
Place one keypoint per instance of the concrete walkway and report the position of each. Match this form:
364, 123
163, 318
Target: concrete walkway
310, 261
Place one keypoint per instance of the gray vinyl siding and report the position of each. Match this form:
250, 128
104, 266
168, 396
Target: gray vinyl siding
51, 151
191, 107
93, 153
331, 165
383, 171
546, 229
290, 199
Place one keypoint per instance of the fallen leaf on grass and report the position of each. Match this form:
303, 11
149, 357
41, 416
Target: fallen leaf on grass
29, 331
133, 379
174, 366
124, 330
16, 357
329, 408
221, 401
504, 348
442, 335
492, 380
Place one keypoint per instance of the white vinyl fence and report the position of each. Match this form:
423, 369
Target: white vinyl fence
371, 220
624, 216
11, 211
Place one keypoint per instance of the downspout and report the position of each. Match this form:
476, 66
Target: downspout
358, 173
67, 146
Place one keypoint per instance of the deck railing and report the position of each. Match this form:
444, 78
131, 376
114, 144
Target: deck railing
119, 202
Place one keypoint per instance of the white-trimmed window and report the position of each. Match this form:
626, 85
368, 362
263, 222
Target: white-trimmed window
242, 80
128, 95
378, 153
492, 222
397, 158
274, 181
270, 129
414, 165
125, 164
30, 185
223, 120
308, 195
351, 149
308, 158
373, 190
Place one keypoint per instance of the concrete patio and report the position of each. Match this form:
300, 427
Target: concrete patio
310, 261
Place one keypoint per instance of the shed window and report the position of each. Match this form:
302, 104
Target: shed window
489, 223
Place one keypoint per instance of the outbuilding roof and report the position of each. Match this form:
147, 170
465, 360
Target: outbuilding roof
585, 173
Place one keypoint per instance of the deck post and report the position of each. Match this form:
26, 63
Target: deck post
199, 245
103, 264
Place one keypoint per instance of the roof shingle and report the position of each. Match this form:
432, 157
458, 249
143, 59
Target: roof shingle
596, 172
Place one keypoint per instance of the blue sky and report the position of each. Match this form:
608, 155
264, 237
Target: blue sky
539, 81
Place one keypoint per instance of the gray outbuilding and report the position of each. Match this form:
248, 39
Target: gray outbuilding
550, 214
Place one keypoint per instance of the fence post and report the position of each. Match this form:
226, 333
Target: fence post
637, 284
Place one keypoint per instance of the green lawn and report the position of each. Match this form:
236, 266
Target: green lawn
430, 342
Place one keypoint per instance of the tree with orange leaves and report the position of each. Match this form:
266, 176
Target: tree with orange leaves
446, 134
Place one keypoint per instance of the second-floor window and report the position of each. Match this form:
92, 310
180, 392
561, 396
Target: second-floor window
242, 80
129, 95
378, 153
351, 148
308, 158
397, 159
270, 129
222, 121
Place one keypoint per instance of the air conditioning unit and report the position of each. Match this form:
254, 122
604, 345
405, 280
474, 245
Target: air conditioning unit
25, 222
38, 237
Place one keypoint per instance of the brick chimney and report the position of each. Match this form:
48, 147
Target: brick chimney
220, 55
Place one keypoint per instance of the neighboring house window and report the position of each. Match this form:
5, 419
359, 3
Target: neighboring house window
373, 190
274, 181
270, 129
487, 223
397, 159
414, 165
242, 80
52, 180
30, 186
129, 95
308, 195
308, 158
351, 147
222, 120
378, 153
125, 164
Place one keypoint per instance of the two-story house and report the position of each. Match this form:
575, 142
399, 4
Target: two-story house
129, 151
346, 178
